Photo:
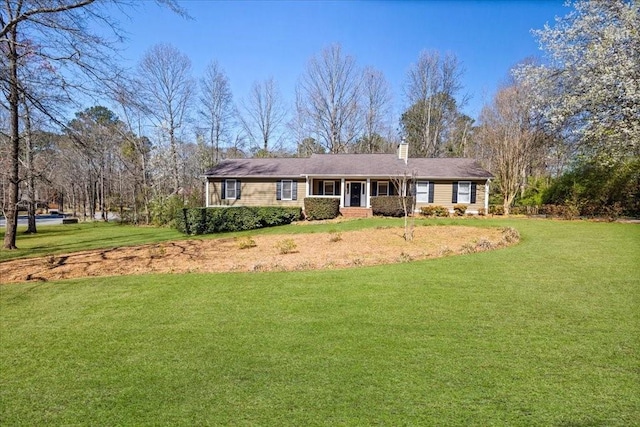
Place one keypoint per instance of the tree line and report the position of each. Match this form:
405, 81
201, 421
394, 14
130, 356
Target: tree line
152, 132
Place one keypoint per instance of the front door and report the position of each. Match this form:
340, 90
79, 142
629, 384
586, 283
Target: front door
356, 190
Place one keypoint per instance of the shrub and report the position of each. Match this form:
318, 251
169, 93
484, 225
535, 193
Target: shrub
482, 211
316, 208
286, 246
434, 211
217, 220
334, 236
164, 210
459, 210
496, 210
246, 242
390, 205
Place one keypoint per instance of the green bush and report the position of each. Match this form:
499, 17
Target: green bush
217, 220
596, 189
459, 210
316, 208
165, 209
390, 205
434, 211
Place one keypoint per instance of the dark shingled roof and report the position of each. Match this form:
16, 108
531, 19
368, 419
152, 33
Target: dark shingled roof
350, 165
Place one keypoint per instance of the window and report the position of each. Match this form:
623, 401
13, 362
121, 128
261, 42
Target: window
329, 188
287, 189
422, 191
230, 189
464, 192
383, 188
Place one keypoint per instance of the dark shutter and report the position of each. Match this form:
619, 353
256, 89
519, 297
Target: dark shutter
454, 199
374, 188
431, 188
321, 188
279, 190
336, 188
473, 192
224, 193
294, 190
238, 190
414, 189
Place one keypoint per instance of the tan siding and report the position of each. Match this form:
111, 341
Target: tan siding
443, 192
255, 192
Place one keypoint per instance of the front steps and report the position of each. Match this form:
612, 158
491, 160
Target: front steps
356, 212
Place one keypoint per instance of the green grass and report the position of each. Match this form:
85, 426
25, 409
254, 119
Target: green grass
543, 333
55, 239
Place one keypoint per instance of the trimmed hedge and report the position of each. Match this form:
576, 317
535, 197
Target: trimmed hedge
390, 205
434, 211
321, 208
218, 220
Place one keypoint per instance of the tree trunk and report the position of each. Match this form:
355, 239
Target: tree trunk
11, 213
31, 191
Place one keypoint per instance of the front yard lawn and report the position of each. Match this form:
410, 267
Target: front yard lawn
541, 333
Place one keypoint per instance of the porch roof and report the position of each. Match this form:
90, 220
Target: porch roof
350, 165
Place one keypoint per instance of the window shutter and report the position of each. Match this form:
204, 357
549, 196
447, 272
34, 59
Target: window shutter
294, 190
321, 189
374, 188
238, 189
279, 190
414, 189
431, 188
454, 199
473, 192
224, 193
336, 188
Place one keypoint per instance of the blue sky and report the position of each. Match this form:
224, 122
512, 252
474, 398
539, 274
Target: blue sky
255, 40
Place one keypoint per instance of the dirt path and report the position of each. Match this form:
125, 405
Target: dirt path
290, 252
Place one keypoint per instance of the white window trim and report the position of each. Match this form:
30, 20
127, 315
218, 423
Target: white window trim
467, 199
378, 192
419, 199
282, 196
324, 188
226, 189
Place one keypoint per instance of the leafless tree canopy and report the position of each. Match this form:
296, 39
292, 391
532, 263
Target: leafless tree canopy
330, 91
216, 109
510, 139
166, 88
432, 85
376, 105
263, 114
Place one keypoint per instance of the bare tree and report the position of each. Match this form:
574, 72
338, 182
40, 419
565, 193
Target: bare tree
404, 182
433, 83
330, 90
166, 87
65, 38
510, 138
263, 114
216, 103
376, 105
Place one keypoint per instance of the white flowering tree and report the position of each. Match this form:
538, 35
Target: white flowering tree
589, 88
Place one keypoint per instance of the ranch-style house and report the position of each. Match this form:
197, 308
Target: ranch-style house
352, 178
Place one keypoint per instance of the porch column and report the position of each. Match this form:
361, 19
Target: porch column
368, 193
206, 193
308, 192
342, 194
486, 197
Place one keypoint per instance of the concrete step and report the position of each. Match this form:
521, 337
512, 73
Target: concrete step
356, 212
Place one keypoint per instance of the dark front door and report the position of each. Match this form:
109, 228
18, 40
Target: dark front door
356, 189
